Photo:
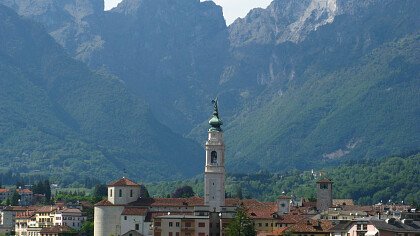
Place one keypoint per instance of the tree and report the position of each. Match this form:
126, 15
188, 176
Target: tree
15, 198
183, 192
99, 192
144, 193
47, 189
87, 228
241, 225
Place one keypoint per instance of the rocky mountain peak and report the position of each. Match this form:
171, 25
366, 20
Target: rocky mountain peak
288, 20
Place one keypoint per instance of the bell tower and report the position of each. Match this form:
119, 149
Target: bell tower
214, 175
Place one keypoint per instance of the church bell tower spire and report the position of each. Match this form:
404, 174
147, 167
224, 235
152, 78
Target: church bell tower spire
214, 176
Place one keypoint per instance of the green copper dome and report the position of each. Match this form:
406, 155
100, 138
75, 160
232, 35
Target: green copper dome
215, 122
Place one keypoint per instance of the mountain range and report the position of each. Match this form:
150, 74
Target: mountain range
301, 84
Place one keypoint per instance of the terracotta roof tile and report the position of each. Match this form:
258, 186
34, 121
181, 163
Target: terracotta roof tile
292, 219
24, 191
71, 210
340, 202
192, 201
24, 215
104, 202
57, 229
123, 182
4, 190
46, 209
138, 211
262, 210
308, 226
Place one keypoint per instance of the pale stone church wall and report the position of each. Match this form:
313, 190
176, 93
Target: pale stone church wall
107, 220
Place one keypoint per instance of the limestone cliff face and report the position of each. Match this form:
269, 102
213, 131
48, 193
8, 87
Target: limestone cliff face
155, 46
69, 22
287, 20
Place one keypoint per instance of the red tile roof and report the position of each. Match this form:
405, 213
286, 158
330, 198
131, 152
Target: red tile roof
276, 232
123, 182
57, 229
192, 201
312, 226
24, 191
24, 215
46, 209
4, 190
262, 210
104, 202
71, 210
138, 211
339, 202
292, 218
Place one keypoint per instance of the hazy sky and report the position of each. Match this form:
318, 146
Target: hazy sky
232, 9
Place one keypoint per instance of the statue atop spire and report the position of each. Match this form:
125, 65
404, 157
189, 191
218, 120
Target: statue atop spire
215, 122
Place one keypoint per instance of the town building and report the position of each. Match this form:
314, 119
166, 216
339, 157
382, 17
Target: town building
125, 213
25, 197
324, 199
5, 194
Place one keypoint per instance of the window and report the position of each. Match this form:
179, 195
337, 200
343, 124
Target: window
201, 224
213, 157
170, 224
125, 217
137, 226
201, 234
120, 193
170, 233
323, 186
177, 224
131, 193
110, 193
187, 224
259, 224
177, 234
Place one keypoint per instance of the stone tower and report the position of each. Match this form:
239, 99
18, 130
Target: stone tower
283, 204
324, 194
214, 175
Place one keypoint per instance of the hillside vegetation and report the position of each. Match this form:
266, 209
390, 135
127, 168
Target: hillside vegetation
60, 119
301, 85
366, 181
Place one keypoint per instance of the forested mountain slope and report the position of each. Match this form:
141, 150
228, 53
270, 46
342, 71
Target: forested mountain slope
349, 90
59, 118
300, 84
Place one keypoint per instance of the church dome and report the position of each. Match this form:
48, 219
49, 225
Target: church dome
215, 122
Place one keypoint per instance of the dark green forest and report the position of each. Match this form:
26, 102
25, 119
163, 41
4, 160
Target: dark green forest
367, 181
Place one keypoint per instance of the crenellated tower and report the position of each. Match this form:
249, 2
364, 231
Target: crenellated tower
214, 175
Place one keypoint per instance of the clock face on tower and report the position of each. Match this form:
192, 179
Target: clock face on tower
213, 157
